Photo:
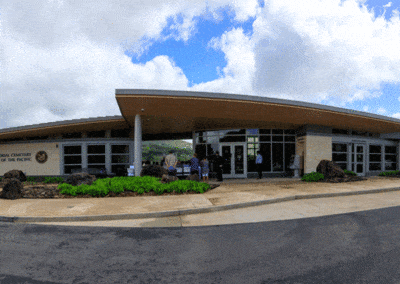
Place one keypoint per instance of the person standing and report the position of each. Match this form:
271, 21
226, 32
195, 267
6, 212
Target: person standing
170, 163
205, 169
194, 165
259, 161
219, 163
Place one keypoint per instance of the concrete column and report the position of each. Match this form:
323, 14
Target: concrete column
138, 145
84, 155
398, 156
108, 157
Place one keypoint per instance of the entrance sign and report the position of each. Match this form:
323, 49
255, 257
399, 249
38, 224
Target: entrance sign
41, 157
15, 157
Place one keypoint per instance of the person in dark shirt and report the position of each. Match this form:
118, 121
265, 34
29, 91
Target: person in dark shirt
194, 165
219, 163
259, 161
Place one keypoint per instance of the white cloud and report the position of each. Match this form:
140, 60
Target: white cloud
75, 80
321, 48
64, 59
381, 110
236, 76
388, 5
317, 51
396, 115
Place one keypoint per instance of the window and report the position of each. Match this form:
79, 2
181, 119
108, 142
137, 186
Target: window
375, 157
72, 158
360, 133
339, 154
96, 134
390, 158
290, 138
265, 131
73, 135
96, 156
277, 138
340, 131
265, 138
277, 131
119, 159
277, 157
276, 145
251, 156
290, 131
252, 139
252, 131
336, 147
265, 149
233, 135
38, 138
120, 133
290, 150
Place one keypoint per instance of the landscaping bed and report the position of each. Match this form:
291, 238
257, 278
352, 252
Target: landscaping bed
42, 190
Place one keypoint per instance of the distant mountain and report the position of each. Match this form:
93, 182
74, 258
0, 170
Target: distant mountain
170, 143
154, 151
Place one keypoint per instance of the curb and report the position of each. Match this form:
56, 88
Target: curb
172, 213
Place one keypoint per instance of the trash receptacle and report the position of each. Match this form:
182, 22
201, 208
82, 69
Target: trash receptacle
295, 166
131, 171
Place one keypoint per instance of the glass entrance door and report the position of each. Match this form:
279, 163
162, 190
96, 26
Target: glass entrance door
235, 160
358, 159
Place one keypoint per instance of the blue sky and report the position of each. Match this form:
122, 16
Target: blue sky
199, 62
66, 59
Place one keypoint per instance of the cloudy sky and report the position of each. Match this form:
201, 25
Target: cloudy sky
63, 60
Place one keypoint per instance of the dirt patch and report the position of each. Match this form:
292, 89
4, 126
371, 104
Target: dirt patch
214, 201
344, 179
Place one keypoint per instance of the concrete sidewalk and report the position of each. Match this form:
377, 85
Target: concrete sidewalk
231, 194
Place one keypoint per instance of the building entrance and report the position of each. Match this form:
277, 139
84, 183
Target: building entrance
235, 160
358, 159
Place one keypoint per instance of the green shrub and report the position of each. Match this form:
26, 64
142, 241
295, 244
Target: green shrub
159, 190
350, 173
313, 176
31, 179
66, 188
140, 185
389, 173
53, 180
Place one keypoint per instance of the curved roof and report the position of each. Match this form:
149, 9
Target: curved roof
66, 126
165, 111
182, 111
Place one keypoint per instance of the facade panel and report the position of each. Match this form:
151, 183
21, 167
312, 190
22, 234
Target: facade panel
31, 158
317, 148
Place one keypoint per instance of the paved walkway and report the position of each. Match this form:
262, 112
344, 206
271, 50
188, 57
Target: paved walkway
234, 201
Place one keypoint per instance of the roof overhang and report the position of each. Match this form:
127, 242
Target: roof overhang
69, 126
180, 111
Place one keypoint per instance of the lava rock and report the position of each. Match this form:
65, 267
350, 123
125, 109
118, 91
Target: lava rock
153, 171
17, 174
80, 178
12, 189
167, 178
330, 170
194, 177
